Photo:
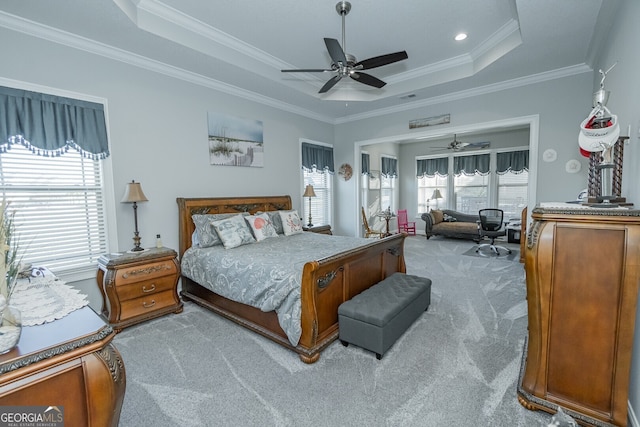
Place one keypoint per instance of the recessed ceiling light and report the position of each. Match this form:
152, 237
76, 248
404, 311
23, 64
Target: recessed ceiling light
460, 37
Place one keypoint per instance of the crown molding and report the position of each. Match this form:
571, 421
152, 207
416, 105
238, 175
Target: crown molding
469, 93
75, 41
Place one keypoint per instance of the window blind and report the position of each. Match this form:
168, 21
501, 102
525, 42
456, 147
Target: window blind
59, 207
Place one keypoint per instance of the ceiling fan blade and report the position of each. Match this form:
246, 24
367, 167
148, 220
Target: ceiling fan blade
379, 61
367, 79
331, 83
307, 70
335, 51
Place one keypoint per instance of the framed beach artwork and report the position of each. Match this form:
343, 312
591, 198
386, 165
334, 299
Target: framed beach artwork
235, 141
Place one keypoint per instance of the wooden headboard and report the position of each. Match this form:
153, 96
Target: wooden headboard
216, 205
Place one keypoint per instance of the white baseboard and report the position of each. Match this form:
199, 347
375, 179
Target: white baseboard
633, 420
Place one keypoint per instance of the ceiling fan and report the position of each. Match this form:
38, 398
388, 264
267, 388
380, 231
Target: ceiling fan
344, 64
456, 145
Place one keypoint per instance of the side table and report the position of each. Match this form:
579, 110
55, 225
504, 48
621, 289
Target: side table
69, 364
320, 229
138, 286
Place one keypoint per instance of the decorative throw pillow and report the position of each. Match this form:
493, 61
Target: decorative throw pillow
291, 222
437, 215
276, 221
261, 226
205, 234
233, 231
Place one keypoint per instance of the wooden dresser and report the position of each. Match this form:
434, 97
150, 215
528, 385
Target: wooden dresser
582, 268
138, 286
70, 364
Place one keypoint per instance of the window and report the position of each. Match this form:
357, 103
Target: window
59, 207
388, 180
471, 192
427, 187
432, 177
476, 181
51, 148
317, 170
321, 205
512, 193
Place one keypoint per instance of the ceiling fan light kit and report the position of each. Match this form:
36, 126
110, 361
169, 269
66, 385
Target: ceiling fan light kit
345, 64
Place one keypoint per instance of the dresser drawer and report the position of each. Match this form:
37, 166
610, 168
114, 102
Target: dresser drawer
145, 272
147, 304
146, 288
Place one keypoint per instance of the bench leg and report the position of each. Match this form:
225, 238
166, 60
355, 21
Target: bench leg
378, 356
344, 343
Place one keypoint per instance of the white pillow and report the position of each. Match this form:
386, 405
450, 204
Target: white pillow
291, 222
233, 231
261, 226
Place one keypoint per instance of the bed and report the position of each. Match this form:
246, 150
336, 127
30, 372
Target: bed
324, 283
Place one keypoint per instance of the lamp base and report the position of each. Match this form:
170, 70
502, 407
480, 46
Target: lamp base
309, 225
136, 240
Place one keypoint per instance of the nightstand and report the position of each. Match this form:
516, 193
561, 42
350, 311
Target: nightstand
138, 286
321, 229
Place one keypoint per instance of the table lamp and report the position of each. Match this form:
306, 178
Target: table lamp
308, 192
133, 194
435, 196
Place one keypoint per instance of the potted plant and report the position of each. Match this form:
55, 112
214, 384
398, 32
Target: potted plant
10, 318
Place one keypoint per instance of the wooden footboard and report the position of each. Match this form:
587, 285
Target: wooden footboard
325, 284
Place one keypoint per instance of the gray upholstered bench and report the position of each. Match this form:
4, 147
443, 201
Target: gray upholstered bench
377, 317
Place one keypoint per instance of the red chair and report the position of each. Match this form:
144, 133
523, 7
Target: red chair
404, 226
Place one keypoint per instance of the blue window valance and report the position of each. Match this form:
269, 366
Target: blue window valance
471, 165
49, 124
389, 167
366, 169
432, 167
514, 161
318, 156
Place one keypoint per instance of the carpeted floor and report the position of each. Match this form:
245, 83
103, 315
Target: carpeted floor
456, 366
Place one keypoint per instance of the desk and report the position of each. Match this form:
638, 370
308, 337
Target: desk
69, 363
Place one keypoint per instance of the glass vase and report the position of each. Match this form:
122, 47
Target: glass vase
10, 329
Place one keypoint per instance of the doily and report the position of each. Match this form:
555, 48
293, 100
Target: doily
45, 299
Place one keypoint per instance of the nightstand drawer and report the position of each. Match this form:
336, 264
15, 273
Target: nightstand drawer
146, 288
145, 272
147, 304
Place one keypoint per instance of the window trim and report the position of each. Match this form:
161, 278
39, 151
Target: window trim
107, 170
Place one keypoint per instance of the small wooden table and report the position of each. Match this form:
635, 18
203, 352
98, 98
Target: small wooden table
138, 286
69, 363
320, 229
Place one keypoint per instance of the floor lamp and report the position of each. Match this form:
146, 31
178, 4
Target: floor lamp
308, 192
435, 196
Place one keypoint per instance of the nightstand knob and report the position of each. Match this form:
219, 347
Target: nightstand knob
145, 305
151, 289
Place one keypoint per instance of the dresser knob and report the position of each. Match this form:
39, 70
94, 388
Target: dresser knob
151, 289
145, 305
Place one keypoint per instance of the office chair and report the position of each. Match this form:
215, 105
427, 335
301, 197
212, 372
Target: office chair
491, 226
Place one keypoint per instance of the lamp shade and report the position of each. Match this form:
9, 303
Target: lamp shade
133, 193
436, 194
308, 191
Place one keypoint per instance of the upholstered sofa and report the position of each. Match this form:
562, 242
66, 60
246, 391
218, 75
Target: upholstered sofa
450, 223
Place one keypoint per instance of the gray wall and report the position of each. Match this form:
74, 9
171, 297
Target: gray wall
624, 84
158, 136
158, 132
560, 104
